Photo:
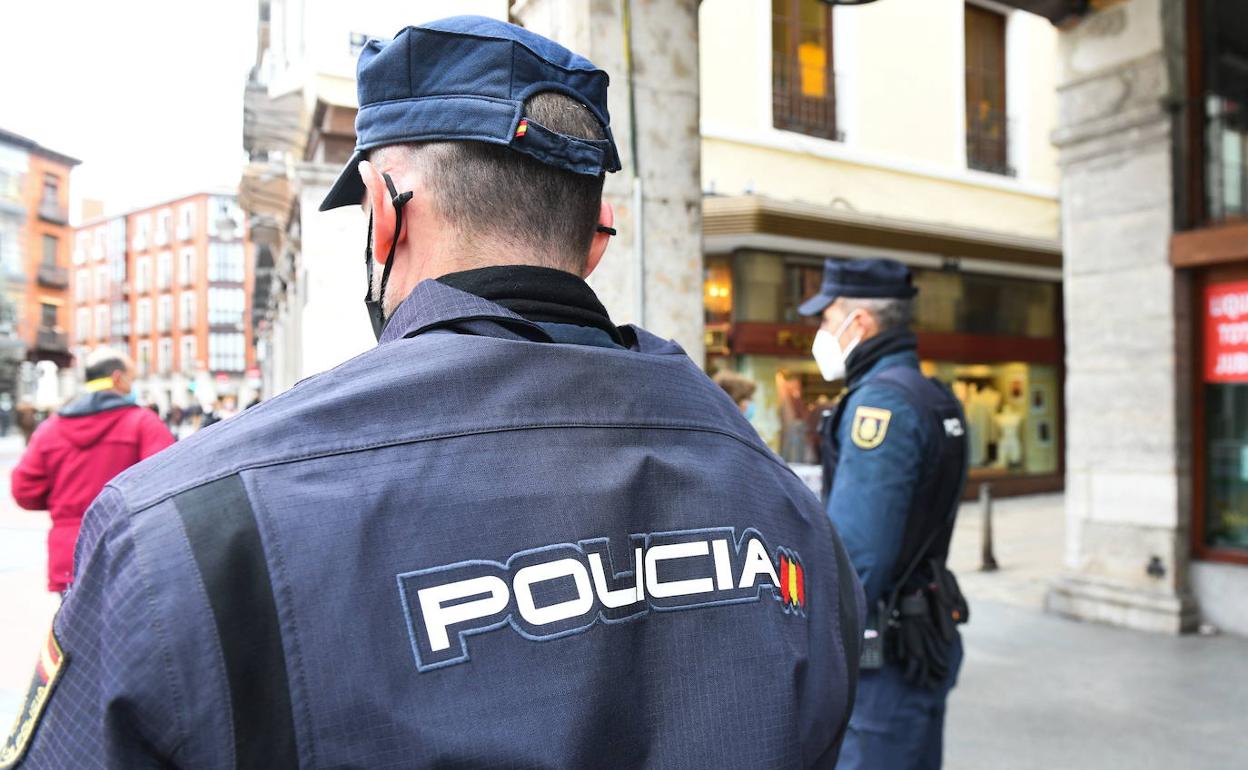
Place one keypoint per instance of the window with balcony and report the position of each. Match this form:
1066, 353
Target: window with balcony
50, 246
82, 245
82, 324
121, 319
101, 322
225, 262
187, 310
226, 307
987, 129
49, 315
145, 357
164, 227
164, 361
143, 316
82, 285
186, 222
227, 352
50, 208
142, 230
164, 314
188, 363
143, 274
186, 267
164, 271
803, 82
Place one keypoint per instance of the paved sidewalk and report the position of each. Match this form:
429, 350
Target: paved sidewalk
1028, 541
1038, 691
26, 607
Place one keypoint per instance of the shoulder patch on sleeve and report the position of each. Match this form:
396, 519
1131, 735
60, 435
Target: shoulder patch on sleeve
48, 670
870, 426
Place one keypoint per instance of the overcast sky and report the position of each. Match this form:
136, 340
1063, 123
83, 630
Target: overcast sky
148, 94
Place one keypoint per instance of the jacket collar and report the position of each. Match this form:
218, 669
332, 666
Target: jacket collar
432, 304
900, 358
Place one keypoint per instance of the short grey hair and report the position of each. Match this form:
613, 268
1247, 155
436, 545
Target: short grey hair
491, 191
889, 313
102, 362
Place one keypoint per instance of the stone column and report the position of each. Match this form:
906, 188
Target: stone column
1128, 480
652, 273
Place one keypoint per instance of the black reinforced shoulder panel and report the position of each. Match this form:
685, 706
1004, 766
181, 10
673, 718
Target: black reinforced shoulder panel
225, 541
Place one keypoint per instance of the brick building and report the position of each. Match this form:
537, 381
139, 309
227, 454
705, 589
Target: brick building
170, 284
34, 255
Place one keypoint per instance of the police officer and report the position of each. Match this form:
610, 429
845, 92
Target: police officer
894, 461
512, 535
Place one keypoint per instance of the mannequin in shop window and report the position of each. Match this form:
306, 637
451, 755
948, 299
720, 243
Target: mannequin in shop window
794, 448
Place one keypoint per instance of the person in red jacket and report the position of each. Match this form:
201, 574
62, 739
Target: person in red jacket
75, 452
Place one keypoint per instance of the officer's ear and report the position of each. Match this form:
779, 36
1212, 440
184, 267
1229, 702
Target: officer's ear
867, 323
377, 201
602, 237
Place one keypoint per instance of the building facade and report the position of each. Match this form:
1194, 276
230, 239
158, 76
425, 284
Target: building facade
845, 132
171, 285
35, 244
298, 132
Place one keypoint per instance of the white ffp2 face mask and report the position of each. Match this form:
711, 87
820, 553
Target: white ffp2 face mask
827, 351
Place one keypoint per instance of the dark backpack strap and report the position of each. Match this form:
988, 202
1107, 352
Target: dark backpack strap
225, 541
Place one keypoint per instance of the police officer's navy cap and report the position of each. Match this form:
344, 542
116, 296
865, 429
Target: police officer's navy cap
466, 79
861, 279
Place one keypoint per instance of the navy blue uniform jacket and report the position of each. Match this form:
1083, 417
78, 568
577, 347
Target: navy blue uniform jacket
460, 550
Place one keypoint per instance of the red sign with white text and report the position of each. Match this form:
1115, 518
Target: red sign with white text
1226, 332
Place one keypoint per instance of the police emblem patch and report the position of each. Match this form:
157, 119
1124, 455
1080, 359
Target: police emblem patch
870, 426
47, 673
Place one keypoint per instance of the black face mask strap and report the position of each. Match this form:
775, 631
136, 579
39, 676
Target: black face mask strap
368, 261
399, 201
375, 306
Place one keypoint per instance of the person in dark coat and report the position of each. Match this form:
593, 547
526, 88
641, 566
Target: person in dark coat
894, 461
514, 534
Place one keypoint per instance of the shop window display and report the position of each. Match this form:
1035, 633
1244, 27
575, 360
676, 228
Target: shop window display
1011, 415
753, 328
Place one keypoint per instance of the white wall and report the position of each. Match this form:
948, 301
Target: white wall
332, 323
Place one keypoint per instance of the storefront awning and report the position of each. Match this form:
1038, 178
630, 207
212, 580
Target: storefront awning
731, 223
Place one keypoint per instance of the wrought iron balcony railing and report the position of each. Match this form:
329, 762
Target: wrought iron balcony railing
53, 276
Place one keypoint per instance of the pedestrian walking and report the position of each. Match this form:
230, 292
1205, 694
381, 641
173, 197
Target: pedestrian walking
513, 534
27, 418
894, 462
76, 452
6, 414
740, 389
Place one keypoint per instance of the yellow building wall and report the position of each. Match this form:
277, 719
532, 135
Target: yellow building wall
901, 104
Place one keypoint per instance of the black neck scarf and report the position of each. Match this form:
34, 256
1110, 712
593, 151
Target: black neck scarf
538, 294
868, 354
